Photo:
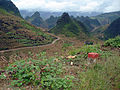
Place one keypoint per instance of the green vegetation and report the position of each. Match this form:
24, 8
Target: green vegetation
57, 73
43, 72
83, 51
114, 42
67, 45
104, 75
16, 32
33, 28
4, 12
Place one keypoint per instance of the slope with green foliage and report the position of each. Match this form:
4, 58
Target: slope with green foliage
69, 27
16, 32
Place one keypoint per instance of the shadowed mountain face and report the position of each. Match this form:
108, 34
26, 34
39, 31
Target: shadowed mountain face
9, 7
65, 19
88, 22
113, 30
69, 27
107, 18
36, 20
51, 22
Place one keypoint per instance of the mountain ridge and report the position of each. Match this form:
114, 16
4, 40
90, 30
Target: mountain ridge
10, 7
69, 27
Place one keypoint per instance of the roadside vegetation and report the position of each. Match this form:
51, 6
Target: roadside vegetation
66, 72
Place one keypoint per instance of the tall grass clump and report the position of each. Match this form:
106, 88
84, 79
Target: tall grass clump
102, 76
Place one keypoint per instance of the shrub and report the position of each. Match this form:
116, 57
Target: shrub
114, 42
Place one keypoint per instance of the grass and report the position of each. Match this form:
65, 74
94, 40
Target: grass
2, 11
102, 75
89, 48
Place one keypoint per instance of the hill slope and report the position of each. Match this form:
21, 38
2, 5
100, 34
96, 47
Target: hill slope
69, 27
113, 30
16, 32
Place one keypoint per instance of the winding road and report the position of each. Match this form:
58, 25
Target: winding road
58, 38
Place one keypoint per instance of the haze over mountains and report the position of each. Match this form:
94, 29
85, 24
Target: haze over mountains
47, 14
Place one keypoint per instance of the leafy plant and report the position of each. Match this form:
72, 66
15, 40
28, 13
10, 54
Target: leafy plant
114, 42
44, 72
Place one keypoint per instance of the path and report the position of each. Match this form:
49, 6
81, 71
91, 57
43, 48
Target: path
58, 38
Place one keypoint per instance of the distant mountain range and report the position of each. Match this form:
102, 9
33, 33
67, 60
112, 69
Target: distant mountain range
46, 15
99, 25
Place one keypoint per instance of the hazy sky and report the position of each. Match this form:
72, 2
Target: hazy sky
69, 5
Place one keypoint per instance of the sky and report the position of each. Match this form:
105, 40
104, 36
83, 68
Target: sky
69, 5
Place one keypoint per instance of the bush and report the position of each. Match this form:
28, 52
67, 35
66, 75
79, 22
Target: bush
115, 42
